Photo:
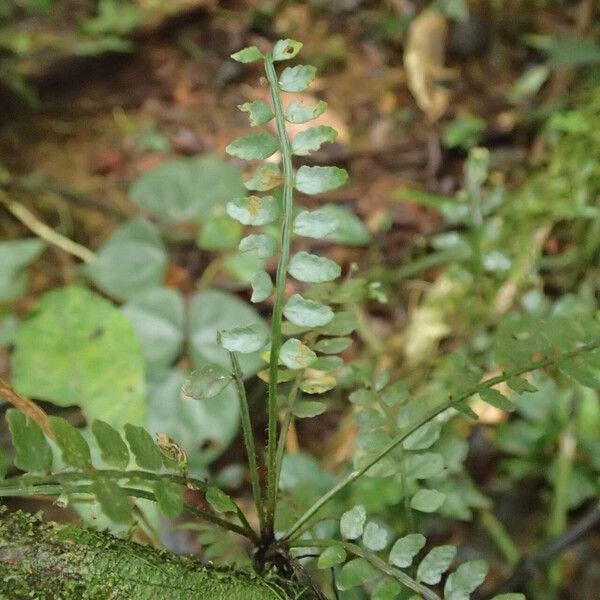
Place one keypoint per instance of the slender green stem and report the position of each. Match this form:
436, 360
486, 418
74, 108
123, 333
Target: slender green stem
502, 539
564, 467
285, 426
248, 439
377, 562
286, 232
444, 406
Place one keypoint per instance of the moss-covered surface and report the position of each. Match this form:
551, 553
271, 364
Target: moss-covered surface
49, 561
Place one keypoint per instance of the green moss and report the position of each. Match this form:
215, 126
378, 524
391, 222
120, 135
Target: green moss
48, 561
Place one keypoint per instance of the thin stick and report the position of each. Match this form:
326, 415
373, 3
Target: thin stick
44, 231
31, 409
248, 439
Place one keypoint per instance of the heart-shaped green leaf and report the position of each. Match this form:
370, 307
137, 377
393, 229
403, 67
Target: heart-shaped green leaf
78, 349
189, 189
133, 260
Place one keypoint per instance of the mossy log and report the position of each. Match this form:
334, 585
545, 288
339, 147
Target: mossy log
48, 561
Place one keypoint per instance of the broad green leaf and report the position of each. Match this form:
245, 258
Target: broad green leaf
219, 500
245, 340
259, 112
496, 399
318, 384
213, 311
307, 409
112, 499
77, 349
256, 146
313, 269
113, 449
75, 450
247, 55
297, 113
386, 589
286, 49
262, 286
206, 382
333, 345
133, 260
264, 246
509, 596
354, 573
435, 563
469, 576
352, 522
295, 355
266, 177
424, 437
343, 323
15, 255
316, 180
147, 455
363, 397
331, 556
423, 466
169, 498
202, 429
312, 139
405, 549
317, 224
219, 233
158, 318
254, 210
349, 230
190, 189
307, 312
375, 537
33, 454
297, 79
427, 501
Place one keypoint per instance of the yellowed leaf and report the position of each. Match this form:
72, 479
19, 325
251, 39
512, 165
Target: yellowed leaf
424, 56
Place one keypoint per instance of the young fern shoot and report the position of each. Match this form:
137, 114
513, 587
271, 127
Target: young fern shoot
256, 210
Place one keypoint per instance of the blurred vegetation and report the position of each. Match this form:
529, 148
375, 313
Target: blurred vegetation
471, 132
